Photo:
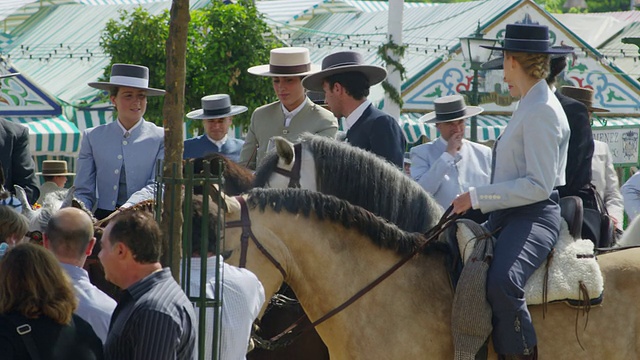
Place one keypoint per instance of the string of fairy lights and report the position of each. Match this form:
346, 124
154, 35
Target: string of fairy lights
416, 45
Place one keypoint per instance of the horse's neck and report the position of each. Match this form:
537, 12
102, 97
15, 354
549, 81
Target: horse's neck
327, 264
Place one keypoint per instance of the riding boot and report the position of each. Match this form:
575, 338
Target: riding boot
532, 356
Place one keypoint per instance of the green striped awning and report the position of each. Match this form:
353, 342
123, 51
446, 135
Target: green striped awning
86, 119
489, 127
50, 135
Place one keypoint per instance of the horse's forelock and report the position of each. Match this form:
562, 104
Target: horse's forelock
265, 170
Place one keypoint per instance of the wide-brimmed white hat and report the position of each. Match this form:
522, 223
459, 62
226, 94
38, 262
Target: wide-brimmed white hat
2, 76
342, 62
216, 107
127, 75
287, 61
450, 108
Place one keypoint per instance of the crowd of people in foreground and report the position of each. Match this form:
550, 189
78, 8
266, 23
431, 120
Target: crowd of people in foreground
50, 310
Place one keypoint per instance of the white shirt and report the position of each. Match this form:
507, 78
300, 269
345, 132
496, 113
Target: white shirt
605, 179
355, 115
446, 176
288, 115
124, 131
94, 306
242, 299
631, 195
220, 142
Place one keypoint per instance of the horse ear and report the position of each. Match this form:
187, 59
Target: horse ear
230, 203
284, 149
68, 199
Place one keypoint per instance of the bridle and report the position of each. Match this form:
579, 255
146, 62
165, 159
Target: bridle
294, 173
245, 223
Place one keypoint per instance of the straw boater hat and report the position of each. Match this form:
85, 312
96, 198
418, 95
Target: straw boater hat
287, 61
583, 95
450, 108
496, 64
8, 75
342, 62
216, 107
54, 168
127, 75
528, 38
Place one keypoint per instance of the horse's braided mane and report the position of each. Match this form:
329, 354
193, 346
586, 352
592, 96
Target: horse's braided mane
371, 182
331, 208
366, 180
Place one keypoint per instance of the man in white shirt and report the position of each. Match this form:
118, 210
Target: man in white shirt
447, 166
605, 179
242, 292
69, 236
631, 195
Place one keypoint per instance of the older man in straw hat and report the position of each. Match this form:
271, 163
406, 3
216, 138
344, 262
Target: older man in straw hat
447, 166
216, 115
293, 113
55, 175
345, 80
118, 159
15, 156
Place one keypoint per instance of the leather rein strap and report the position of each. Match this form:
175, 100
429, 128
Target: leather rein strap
245, 224
294, 173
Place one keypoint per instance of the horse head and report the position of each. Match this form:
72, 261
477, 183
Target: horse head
238, 179
246, 246
289, 166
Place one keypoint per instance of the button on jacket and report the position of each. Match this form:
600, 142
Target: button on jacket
104, 150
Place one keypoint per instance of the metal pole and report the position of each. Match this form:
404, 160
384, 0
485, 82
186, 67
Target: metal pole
396, 8
474, 102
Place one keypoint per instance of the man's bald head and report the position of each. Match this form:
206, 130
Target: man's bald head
69, 232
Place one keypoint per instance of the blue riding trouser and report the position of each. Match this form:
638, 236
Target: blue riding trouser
526, 236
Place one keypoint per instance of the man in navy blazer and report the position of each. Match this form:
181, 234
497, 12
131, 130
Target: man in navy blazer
345, 80
217, 115
17, 163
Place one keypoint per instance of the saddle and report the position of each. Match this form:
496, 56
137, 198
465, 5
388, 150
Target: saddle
570, 274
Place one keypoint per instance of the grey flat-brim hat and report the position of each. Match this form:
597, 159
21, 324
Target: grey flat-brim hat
286, 61
216, 107
127, 75
450, 108
8, 75
342, 62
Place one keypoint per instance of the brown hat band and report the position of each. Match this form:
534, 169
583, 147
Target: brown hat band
289, 69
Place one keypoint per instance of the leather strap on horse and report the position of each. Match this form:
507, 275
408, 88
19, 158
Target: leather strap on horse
445, 221
245, 224
294, 173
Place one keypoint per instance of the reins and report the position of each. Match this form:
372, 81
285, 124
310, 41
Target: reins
445, 221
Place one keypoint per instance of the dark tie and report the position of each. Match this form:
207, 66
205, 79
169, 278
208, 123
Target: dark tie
493, 158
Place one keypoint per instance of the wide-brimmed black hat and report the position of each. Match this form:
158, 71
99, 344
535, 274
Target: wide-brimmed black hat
216, 107
450, 108
583, 95
342, 62
8, 75
528, 38
127, 75
496, 64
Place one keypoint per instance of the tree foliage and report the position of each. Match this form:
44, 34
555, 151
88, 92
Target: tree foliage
223, 42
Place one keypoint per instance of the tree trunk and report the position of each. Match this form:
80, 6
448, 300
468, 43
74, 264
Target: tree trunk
173, 113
